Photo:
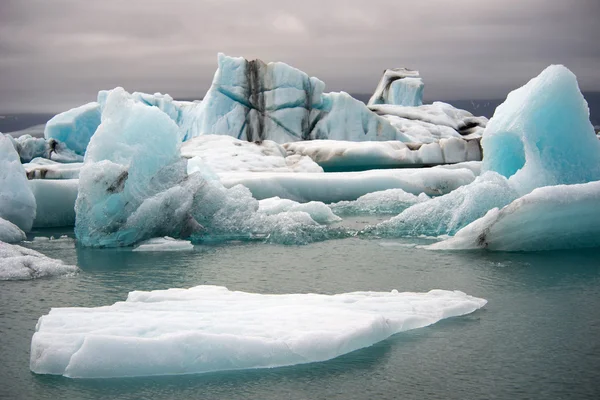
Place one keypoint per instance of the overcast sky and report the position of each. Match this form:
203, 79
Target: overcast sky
56, 54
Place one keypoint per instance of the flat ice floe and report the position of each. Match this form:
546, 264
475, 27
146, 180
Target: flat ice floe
20, 263
210, 328
165, 244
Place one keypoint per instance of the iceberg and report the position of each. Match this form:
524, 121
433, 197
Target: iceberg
549, 218
42, 168
227, 154
319, 212
254, 101
399, 86
55, 202
17, 203
165, 244
20, 263
542, 135
391, 201
343, 156
210, 328
10, 233
447, 214
75, 127
347, 186
131, 189
30, 148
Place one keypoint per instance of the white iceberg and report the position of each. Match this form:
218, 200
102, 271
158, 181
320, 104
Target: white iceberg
209, 328
343, 156
319, 212
165, 244
17, 203
399, 86
552, 217
43, 168
347, 186
55, 202
75, 127
227, 154
447, 214
391, 201
10, 233
20, 263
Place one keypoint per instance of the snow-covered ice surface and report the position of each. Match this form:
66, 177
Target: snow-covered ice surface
20, 263
227, 154
342, 156
10, 233
165, 244
399, 86
318, 211
391, 201
75, 127
542, 134
552, 217
445, 215
346, 186
17, 203
209, 328
55, 200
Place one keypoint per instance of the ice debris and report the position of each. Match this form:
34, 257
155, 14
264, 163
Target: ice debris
20, 263
318, 211
165, 244
209, 328
391, 201
552, 217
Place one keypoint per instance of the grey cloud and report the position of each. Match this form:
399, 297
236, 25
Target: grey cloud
58, 54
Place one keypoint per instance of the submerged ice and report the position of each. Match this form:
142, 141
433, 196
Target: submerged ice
209, 328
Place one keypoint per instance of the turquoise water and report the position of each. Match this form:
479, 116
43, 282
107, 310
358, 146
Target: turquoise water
538, 337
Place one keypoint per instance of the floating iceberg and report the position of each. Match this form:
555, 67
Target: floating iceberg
165, 244
343, 156
227, 154
209, 328
131, 189
10, 233
29, 148
347, 186
55, 202
399, 86
542, 135
391, 201
17, 203
42, 168
20, 263
319, 212
75, 127
553, 217
445, 215
254, 101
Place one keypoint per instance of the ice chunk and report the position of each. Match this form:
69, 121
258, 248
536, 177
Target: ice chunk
399, 86
29, 148
132, 189
17, 203
20, 263
42, 168
542, 135
55, 200
318, 211
391, 201
553, 217
339, 186
165, 244
254, 101
342, 156
74, 127
209, 328
10, 233
447, 214
224, 153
